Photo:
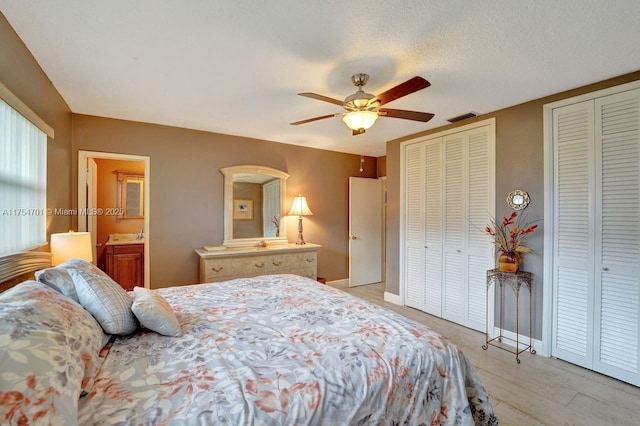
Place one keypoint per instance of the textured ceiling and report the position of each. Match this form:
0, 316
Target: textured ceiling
236, 67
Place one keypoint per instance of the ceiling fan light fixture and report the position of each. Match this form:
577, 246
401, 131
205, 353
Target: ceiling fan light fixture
357, 120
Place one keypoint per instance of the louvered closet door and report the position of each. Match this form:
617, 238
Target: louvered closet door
479, 253
414, 225
617, 265
574, 238
597, 243
433, 227
449, 196
455, 206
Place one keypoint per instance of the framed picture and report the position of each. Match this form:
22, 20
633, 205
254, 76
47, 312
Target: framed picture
242, 209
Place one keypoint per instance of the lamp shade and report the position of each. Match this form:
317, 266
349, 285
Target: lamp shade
357, 120
71, 245
300, 207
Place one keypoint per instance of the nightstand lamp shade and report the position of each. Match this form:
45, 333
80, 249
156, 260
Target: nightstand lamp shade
300, 208
71, 245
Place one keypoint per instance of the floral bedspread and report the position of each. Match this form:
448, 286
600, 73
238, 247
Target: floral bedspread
284, 350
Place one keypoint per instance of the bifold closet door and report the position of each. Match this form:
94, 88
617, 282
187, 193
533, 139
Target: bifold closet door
597, 241
468, 252
455, 208
447, 188
414, 227
424, 226
574, 237
617, 262
433, 197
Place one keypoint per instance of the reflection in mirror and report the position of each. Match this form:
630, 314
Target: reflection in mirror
130, 194
254, 205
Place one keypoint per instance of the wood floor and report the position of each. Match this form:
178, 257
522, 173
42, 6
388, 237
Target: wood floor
539, 391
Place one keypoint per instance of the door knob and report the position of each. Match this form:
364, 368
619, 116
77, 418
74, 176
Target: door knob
353, 237
459, 251
605, 269
99, 245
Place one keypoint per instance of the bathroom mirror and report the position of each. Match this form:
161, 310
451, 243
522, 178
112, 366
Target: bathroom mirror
130, 194
254, 209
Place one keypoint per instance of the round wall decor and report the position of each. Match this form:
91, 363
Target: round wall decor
517, 199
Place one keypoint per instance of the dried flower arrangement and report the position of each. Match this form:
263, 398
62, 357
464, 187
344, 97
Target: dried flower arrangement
507, 239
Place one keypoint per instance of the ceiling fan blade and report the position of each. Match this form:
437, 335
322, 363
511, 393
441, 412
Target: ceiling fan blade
321, 98
358, 132
403, 89
309, 120
407, 115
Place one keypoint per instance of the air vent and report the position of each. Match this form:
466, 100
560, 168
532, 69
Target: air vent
470, 114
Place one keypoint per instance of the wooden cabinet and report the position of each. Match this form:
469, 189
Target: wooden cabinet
248, 262
125, 264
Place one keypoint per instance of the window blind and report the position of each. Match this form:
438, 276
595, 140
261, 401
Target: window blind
23, 172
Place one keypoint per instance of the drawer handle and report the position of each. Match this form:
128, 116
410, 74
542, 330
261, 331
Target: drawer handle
309, 260
276, 263
259, 265
217, 269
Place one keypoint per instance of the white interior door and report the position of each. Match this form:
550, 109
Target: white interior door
365, 231
92, 203
270, 208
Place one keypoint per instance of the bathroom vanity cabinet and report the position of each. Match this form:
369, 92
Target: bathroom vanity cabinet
125, 264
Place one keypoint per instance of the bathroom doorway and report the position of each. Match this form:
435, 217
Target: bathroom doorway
113, 204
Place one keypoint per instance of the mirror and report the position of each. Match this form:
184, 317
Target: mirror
130, 194
254, 209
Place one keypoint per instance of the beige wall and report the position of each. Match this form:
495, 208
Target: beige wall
108, 199
20, 72
519, 165
187, 189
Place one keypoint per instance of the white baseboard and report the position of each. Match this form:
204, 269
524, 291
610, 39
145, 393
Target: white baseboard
524, 340
396, 299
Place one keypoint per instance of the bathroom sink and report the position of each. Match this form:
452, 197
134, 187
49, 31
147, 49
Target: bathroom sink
118, 239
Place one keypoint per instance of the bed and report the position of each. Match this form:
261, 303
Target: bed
271, 350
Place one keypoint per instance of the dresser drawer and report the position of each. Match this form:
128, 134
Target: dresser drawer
214, 269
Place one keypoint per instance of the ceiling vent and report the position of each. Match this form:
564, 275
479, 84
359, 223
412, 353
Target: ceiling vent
470, 114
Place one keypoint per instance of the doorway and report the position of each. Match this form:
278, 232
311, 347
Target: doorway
104, 180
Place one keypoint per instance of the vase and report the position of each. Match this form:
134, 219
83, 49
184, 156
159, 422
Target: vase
509, 262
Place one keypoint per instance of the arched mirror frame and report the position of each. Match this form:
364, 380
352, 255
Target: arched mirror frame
228, 173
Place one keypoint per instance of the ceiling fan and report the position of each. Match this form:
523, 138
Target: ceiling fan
363, 109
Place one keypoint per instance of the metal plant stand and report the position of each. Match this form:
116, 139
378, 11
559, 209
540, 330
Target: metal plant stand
515, 280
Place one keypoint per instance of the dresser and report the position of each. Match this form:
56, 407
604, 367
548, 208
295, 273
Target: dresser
245, 262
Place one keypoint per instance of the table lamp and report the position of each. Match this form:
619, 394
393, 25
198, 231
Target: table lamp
70, 245
300, 208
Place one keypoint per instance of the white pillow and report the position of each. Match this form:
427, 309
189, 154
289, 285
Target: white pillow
154, 312
105, 300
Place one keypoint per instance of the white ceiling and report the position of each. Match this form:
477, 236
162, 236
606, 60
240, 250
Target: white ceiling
236, 67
